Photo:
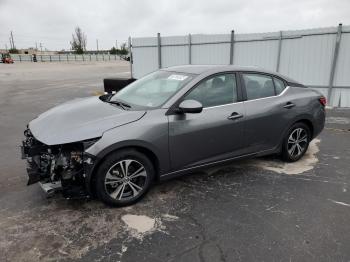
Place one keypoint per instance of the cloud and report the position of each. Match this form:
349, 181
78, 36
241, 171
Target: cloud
52, 22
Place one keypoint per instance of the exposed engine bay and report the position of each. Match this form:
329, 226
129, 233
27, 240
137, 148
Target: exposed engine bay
56, 168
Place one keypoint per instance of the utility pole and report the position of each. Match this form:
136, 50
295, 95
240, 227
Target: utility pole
10, 43
116, 44
97, 44
41, 48
36, 46
13, 42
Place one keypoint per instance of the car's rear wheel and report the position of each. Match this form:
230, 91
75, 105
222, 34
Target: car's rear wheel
124, 177
296, 142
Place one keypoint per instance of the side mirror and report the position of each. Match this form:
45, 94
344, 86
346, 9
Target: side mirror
190, 106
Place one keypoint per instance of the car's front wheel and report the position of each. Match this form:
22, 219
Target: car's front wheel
124, 177
296, 142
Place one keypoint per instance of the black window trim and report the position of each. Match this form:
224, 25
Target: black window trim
274, 84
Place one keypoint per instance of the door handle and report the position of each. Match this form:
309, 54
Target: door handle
234, 116
289, 105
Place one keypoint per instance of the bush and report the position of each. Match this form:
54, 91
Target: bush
113, 51
13, 51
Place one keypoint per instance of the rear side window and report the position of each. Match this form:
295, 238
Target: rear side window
279, 85
258, 86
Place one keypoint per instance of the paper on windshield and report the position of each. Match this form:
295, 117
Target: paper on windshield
177, 77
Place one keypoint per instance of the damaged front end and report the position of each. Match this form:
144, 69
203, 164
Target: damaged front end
57, 167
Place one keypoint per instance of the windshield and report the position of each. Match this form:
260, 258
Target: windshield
152, 90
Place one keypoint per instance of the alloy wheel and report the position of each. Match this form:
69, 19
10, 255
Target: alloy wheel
297, 142
125, 180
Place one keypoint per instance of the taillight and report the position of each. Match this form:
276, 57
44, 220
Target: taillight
323, 100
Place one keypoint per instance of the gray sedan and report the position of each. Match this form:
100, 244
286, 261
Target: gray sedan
166, 124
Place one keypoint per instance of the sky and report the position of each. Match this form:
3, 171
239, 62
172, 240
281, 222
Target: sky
52, 22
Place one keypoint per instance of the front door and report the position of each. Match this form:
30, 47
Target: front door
212, 135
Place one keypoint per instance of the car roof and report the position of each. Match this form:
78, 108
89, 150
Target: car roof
200, 69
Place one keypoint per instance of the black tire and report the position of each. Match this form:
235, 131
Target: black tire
116, 189
288, 154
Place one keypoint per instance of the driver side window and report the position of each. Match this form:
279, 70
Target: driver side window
216, 90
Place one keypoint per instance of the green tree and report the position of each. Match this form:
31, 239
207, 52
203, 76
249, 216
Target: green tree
78, 42
123, 49
113, 51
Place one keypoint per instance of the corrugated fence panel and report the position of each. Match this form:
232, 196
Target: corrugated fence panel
342, 75
145, 56
308, 59
201, 38
320, 31
215, 53
174, 55
211, 54
177, 53
258, 53
144, 41
306, 55
324, 90
146, 61
341, 97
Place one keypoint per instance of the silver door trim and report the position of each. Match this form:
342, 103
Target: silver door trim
210, 107
285, 90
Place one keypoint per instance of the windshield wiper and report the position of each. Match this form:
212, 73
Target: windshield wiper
120, 104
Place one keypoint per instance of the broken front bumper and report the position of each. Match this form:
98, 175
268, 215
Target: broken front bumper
33, 170
77, 186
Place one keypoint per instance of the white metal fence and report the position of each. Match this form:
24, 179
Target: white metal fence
319, 58
65, 57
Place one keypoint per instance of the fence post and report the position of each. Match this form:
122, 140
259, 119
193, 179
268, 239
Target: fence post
96, 57
20, 59
232, 46
59, 57
279, 51
130, 51
90, 57
50, 59
75, 57
83, 57
109, 57
159, 51
103, 57
41, 58
31, 58
334, 63
67, 57
189, 49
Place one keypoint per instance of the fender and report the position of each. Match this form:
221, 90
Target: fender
162, 161
298, 118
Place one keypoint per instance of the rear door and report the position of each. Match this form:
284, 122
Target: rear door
265, 119
214, 134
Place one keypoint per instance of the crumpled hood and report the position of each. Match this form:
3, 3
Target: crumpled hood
79, 119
